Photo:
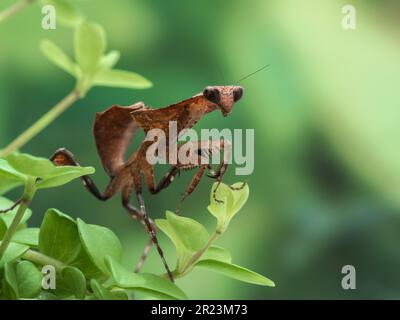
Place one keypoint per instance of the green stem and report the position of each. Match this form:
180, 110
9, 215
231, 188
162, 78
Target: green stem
42, 259
13, 9
198, 255
42, 123
24, 204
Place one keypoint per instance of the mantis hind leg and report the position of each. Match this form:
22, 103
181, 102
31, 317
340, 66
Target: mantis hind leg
16, 203
149, 225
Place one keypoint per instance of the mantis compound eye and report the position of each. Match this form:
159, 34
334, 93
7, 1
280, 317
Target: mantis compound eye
237, 93
212, 94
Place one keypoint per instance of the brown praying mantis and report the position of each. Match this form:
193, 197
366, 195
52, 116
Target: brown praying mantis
115, 128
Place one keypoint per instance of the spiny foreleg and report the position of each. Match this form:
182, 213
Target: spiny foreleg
64, 157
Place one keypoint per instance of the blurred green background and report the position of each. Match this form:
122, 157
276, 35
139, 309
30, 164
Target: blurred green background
326, 187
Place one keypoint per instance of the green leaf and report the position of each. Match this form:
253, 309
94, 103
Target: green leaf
187, 235
7, 218
63, 175
239, 197
99, 243
123, 277
217, 253
99, 291
29, 279
235, 272
13, 252
156, 285
27, 236
66, 12
190, 233
21, 280
29, 165
51, 176
109, 60
165, 227
9, 177
89, 45
71, 282
45, 295
150, 284
59, 237
84, 263
102, 293
59, 58
233, 201
119, 294
10, 281
121, 79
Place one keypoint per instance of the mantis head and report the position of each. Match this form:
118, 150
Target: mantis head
223, 96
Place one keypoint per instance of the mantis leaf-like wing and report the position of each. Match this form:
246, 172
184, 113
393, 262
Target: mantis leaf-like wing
113, 131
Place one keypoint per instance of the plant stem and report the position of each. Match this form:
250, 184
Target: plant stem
42, 259
42, 123
198, 254
25, 201
13, 9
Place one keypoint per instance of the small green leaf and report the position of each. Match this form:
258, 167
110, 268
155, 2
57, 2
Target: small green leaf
121, 79
123, 277
10, 281
58, 237
9, 177
99, 291
3, 229
30, 165
71, 282
235, 272
102, 293
189, 232
192, 234
45, 295
22, 280
119, 294
29, 279
27, 236
109, 60
7, 184
89, 45
99, 243
63, 175
59, 58
156, 285
13, 252
152, 285
187, 235
7, 218
233, 201
239, 197
66, 12
165, 227
217, 253
51, 176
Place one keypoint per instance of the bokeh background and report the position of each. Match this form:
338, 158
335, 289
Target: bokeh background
326, 187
